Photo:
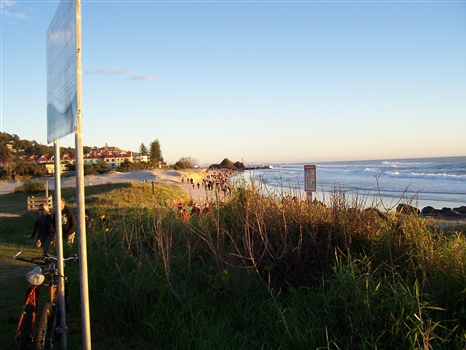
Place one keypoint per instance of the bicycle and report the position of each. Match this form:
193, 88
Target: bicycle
42, 337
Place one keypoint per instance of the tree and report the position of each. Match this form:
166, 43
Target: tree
21, 168
38, 170
143, 150
89, 170
126, 166
185, 163
102, 167
69, 151
155, 152
7, 160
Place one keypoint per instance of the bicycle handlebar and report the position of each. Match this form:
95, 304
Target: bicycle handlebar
42, 260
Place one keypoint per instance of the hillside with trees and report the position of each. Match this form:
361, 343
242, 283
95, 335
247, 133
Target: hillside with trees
15, 152
20, 158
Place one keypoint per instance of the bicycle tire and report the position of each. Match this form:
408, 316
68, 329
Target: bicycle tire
25, 336
43, 334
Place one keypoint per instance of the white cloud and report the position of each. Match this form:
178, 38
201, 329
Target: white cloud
114, 70
143, 77
6, 4
7, 8
118, 71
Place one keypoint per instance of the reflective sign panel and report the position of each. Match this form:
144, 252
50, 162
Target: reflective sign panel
62, 73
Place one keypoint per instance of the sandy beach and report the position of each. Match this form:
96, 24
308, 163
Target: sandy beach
158, 175
169, 176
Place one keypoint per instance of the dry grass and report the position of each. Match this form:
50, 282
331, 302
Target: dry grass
271, 272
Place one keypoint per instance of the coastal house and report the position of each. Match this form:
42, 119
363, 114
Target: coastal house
112, 156
112, 159
139, 158
50, 163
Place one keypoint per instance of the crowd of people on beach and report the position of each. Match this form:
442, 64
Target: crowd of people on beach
218, 180
214, 180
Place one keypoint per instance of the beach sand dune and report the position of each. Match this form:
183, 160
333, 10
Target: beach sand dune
157, 175
168, 176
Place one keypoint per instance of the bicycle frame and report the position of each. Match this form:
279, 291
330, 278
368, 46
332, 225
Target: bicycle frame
25, 328
48, 317
31, 298
43, 336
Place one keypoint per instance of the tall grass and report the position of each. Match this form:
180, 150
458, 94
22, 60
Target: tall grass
275, 271
259, 271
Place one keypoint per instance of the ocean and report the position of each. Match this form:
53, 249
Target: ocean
436, 182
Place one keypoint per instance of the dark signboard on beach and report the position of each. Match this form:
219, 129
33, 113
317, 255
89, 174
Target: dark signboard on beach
310, 178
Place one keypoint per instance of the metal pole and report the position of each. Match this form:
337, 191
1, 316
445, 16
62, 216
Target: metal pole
86, 328
59, 243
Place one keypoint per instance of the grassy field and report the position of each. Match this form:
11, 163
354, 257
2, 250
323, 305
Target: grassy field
16, 225
254, 273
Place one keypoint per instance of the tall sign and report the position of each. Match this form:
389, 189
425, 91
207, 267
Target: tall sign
64, 116
309, 178
62, 91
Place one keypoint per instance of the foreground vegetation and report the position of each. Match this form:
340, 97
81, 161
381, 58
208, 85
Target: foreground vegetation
255, 273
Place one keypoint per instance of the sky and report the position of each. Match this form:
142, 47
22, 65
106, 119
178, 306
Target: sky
262, 82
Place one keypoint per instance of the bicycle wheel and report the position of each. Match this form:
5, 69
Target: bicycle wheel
43, 339
26, 331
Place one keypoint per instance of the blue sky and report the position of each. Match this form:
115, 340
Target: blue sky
255, 81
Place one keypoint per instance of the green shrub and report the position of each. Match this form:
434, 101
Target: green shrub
89, 170
4, 174
272, 272
268, 272
31, 187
